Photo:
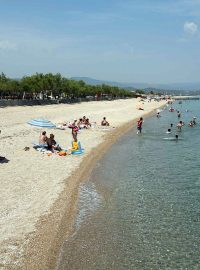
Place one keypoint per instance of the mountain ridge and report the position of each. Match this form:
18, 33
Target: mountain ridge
168, 86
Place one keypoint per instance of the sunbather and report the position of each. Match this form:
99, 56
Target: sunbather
84, 119
43, 138
80, 124
52, 145
87, 123
104, 122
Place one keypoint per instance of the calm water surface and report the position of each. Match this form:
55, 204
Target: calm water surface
140, 208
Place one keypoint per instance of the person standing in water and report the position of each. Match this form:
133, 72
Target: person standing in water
194, 121
139, 125
180, 125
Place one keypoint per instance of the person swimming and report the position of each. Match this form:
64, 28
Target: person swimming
169, 131
175, 138
194, 121
191, 124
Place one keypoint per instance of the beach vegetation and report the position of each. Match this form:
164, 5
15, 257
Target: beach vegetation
55, 86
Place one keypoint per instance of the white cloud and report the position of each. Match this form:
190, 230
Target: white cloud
190, 28
7, 45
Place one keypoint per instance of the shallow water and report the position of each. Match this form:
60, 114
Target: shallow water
140, 208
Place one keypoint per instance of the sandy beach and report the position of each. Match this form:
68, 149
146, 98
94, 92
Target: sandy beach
38, 192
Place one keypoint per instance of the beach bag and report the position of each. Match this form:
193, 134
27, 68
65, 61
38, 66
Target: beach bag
62, 153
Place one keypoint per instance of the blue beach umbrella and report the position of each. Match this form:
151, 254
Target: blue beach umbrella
43, 123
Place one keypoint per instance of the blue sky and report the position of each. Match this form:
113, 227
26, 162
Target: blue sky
155, 41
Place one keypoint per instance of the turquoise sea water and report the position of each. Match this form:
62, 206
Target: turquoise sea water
140, 207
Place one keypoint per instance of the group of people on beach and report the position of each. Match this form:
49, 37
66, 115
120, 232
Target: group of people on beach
50, 143
84, 123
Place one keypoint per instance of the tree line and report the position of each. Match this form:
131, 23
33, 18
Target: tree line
55, 86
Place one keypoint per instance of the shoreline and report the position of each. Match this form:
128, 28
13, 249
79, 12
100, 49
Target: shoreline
39, 192
44, 248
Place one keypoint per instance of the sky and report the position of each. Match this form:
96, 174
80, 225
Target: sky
151, 41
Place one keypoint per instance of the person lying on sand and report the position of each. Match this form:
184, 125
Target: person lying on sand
104, 122
43, 138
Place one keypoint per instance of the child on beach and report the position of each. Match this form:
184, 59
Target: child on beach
74, 145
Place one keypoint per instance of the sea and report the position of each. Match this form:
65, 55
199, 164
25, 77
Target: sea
140, 207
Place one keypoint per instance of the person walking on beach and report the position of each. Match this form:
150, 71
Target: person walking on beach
139, 125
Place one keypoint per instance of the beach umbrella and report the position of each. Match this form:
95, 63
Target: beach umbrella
43, 123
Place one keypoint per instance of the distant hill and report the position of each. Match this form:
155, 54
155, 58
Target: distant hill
92, 81
131, 86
